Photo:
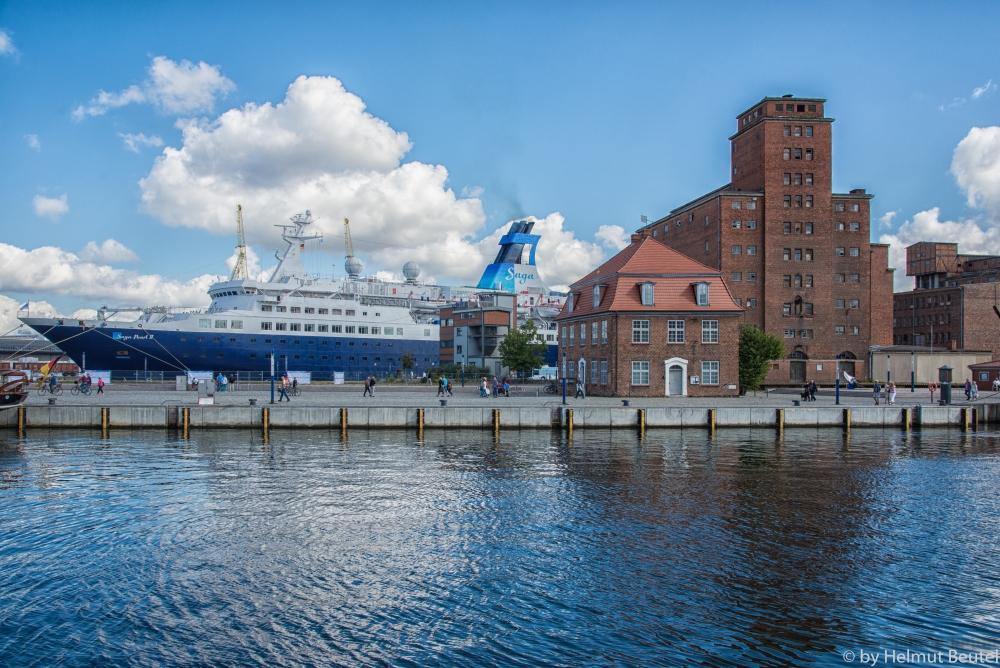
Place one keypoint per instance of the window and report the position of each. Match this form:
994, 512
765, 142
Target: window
604, 331
809, 179
751, 250
709, 373
349, 329
751, 302
789, 333
739, 301
335, 311
855, 278
855, 303
809, 281
798, 201
266, 326
787, 179
737, 250
855, 329
675, 331
798, 254
204, 323
349, 311
640, 331
640, 373
854, 252
647, 294
809, 201
709, 331
265, 307
787, 200
399, 332
737, 224
798, 154
786, 280
296, 309
221, 324
296, 327
690, 217
839, 207
593, 372
281, 326
336, 329
236, 324
572, 335
838, 278
604, 372
751, 206
737, 276
786, 309
798, 130
809, 255
737, 205
787, 154
839, 251
324, 311
597, 296
798, 280
751, 277
706, 246
701, 294
855, 227
809, 228
787, 130
786, 254
324, 328
787, 228
583, 333
564, 328
798, 179
310, 328
593, 333
855, 207
751, 224
838, 329
808, 309
809, 154
706, 221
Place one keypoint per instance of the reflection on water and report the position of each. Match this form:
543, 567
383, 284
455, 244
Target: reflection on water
458, 550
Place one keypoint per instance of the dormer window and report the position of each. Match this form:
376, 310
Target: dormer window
569, 304
646, 293
701, 293
597, 296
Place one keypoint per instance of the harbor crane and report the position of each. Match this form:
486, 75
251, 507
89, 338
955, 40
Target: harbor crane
348, 246
240, 269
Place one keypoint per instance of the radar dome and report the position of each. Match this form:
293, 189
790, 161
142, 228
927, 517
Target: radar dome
353, 267
308, 212
411, 270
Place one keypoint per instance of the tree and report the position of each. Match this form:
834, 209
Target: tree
521, 350
757, 350
407, 362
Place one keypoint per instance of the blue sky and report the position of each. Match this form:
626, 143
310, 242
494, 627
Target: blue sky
597, 112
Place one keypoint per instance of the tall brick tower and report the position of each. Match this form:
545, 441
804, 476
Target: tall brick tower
794, 253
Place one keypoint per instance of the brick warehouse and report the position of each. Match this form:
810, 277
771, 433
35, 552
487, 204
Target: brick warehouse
651, 322
793, 252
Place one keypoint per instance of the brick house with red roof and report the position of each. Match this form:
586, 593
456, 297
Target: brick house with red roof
651, 322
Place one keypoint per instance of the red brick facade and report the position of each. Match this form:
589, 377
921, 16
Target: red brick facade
793, 252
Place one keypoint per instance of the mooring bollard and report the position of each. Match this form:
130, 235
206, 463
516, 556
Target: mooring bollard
105, 422
185, 421
496, 421
444, 402
21, 420
420, 423
569, 422
847, 419
711, 421
641, 418
780, 419
965, 419
625, 402
343, 421
907, 418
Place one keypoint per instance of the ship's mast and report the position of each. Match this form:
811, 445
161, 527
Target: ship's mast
240, 270
348, 246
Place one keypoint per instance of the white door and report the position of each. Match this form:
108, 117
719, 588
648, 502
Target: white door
581, 368
675, 382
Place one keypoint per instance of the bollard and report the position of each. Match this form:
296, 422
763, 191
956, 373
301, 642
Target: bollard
906, 419
186, 421
420, 423
21, 420
780, 417
496, 421
104, 422
711, 421
265, 421
847, 419
965, 419
569, 422
343, 424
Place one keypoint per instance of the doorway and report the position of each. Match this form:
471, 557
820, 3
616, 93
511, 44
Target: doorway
797, 367
675, 380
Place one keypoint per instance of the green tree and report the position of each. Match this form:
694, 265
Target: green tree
757, 350
407, 362
521, 350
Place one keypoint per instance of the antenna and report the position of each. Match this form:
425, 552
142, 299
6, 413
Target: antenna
348, 246
642, 219
240, 270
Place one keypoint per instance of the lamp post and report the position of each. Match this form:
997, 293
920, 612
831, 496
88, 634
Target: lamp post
912, 374
272, 375
888, 368
564, 377
838, 379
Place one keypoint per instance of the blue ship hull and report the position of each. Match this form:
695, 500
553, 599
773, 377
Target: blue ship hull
130, 350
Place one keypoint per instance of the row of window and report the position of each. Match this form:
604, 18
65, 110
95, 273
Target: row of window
751, 224
751, 302
798, 179
796, 201
797, 308
850, 303
335, 329
789, 131
797, 153
840, 207
923, 320
206, 323
640, 372
789, 107
788, 280
840, 329
923, 302
308, 310
295, 342
803, 333
640, 332
738, 250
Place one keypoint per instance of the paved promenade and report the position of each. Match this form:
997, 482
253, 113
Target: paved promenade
424, 396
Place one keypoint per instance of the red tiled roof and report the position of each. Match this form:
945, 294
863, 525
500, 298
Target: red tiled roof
649, 261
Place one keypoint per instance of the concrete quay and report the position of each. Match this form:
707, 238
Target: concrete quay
591, 416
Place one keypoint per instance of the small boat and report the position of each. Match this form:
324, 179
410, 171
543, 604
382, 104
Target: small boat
13, 388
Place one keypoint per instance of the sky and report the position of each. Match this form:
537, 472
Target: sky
129, 132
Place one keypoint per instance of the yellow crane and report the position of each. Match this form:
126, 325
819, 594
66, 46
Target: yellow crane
240, 270
348, 246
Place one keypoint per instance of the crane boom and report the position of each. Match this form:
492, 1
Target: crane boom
240, 269
348, 246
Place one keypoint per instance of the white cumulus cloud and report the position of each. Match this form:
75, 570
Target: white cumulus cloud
133, 142
33, 142
176, 88
53, 271
982, 90
6, 44
50, 207
976, 166
109, 251
9, 309
613, 237
886, 219
320, 149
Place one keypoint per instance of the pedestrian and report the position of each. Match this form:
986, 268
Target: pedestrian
812, 390
371, 386
890, 389
968, 390
506, 387
580, 391
483, 391
52, 384
441, 386
284, 391
805, 392
225, 383
448, 387
876, 391
295, 383
368, 386
100, 385
496, 387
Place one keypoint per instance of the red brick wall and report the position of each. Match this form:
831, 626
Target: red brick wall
881, 296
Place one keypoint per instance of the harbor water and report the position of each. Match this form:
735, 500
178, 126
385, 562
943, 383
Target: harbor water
681, 548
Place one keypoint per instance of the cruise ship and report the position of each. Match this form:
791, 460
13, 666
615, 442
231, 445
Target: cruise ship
353, 326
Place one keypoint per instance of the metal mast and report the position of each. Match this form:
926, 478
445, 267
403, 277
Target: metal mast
348, 246
240, 270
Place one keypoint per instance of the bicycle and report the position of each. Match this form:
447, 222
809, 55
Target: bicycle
58, 390
81, 389
552, 388
295, 390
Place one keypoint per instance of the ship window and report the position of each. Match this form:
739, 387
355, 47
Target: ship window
349, 329
296, 327
187, 354
281, 341
279, 309
232, 340
184, 338
427, 332
337, 357
375, 330
253, 340
296, 309
324, 311
324, 357
335, 328
296, 356
281, 326
363, 329
364, 313
349, 311
235, 324
324, 328
364, 359
266, 326
221, 324
253, 355
334, 311
201, 338
310, 310
201, 355
218, 355
265, 307
399, 331
204, 322
310, 328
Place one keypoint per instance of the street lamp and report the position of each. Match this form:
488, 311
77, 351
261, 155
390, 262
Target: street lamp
838, 379
912, 375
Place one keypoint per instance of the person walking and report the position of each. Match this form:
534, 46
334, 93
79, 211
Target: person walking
368, 386
483, 388
812, 390
441, 386
100, 385
890, 390
225, 383
968, 390
496, 387
448, 387
284, 391
580, 391
876, 392
371, 386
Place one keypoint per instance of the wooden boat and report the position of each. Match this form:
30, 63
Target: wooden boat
13, 388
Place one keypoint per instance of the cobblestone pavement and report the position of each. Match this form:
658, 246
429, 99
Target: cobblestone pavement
423, 396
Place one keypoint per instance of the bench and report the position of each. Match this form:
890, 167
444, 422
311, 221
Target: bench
516, 390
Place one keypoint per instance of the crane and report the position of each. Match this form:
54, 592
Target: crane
348, 246
240, 269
